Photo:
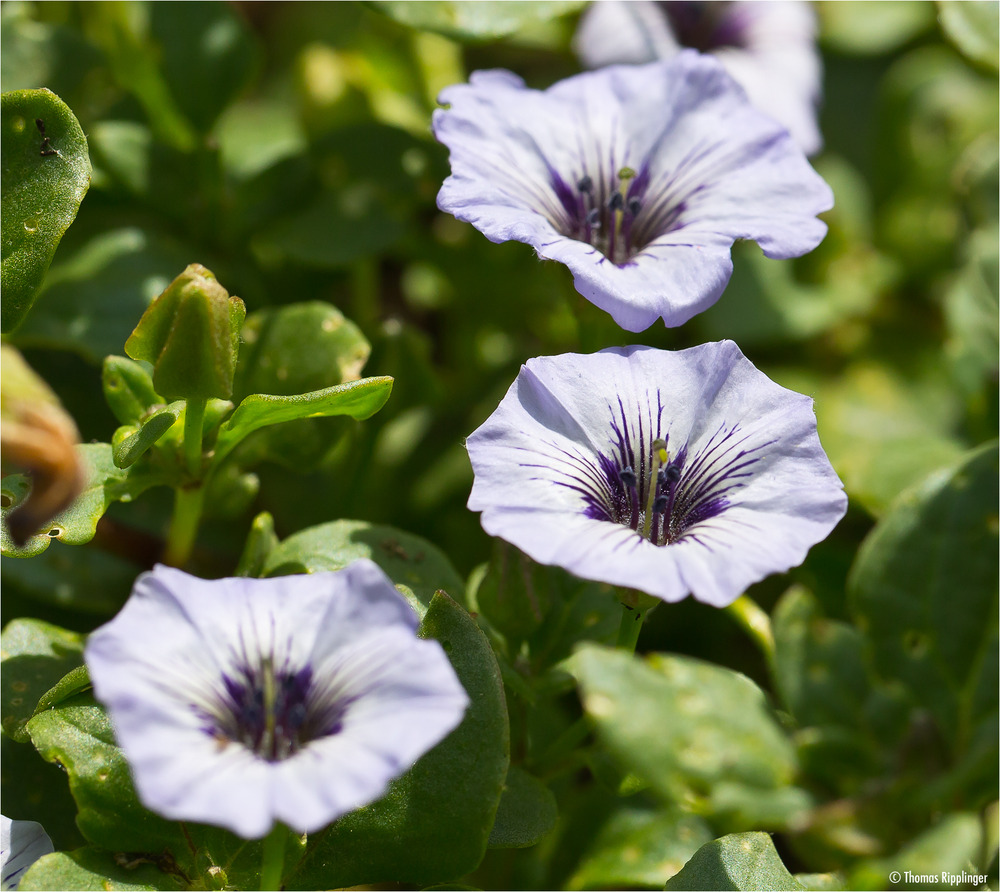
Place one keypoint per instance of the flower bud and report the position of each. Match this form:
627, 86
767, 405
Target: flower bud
191, 335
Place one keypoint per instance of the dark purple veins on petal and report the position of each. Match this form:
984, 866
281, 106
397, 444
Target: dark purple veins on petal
689, 489
273, 711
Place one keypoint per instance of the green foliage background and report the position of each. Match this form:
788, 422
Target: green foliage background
286, 146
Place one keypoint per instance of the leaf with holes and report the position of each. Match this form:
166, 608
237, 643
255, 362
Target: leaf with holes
924, 590
46, 173
78, 523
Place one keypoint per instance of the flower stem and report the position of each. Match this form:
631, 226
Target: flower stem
756, 622
272, 862
188, 502
194, 418
628, 630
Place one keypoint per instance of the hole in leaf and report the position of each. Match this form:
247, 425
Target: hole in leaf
55, 532
5, 500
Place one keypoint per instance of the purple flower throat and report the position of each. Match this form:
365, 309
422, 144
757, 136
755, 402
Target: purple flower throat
661, 495
611, 213
273, 712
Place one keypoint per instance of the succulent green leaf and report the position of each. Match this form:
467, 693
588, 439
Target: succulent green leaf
128, 388
470, 20
131, 447
261, 541
434, 823
35, 656
191, 335
640, 848
105, 484
98, 870
924, 590
406, 559
527, 812
298, 349
356, 399
46, 173
744, 861
694, 731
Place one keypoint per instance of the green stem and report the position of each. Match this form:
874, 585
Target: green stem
756, 622
628, 630
188, 502
365, 287
563, 745
272, 862
194, 419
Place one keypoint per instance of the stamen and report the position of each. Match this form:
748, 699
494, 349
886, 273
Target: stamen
634, 206
586, 184
628, 476
594, 218
616, 202
660, 457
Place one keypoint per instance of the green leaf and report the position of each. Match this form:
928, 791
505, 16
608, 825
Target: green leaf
527, 812
36, 655
924, 590
745, 861
299, 348
45, 176
77, 734
697, 732
639, 848
261, 541
406, 559
821, 882
818, 663
98, 870
93, 298
130, 448
475, 20
863, 28
433, 824
356, 399
78, 523
128, 388
950, 847
973, 28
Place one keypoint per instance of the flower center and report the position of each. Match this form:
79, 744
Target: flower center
273, 712
662, 495
614, 214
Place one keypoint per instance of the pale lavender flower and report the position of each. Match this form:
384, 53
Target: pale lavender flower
667, 472
241, 702
22, 843
638, 178
768, 46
